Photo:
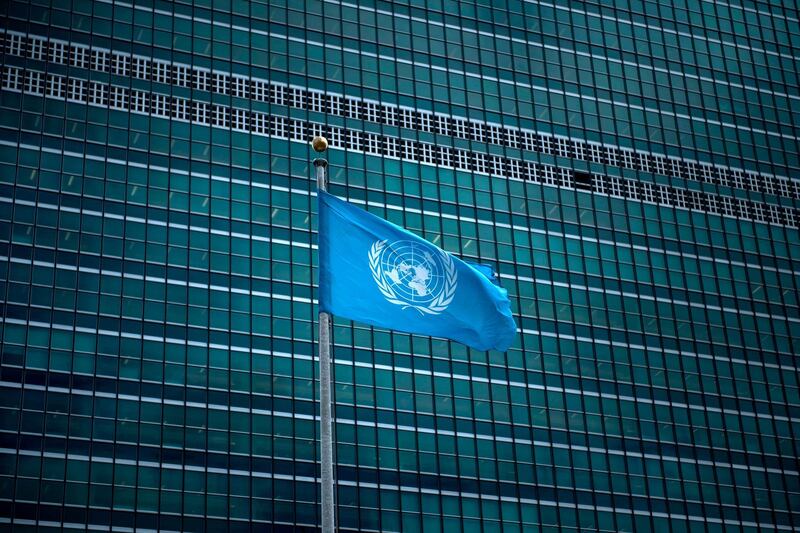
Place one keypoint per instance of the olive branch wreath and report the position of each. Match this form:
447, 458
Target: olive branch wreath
439, 303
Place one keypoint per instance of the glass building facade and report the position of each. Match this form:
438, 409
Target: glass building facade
629, 168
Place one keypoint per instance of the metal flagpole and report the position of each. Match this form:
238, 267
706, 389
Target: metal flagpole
320, 144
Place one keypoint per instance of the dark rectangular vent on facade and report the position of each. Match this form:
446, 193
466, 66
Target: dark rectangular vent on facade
583, 180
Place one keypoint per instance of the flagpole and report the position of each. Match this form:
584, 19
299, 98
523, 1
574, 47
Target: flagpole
320, 144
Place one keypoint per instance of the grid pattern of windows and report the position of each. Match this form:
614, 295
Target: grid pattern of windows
158, 251
225, 83
357, 140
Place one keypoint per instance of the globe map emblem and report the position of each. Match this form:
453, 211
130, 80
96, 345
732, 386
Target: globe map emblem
415, 274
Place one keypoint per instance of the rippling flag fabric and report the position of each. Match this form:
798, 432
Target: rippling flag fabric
376, 272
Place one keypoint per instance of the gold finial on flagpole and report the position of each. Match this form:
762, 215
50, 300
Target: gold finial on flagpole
319, 143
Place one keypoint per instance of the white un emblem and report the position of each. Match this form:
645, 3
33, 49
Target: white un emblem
413, 275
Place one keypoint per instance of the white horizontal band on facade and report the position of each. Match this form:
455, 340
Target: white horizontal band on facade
306, 192
411, 489
183, 75
660, 299
110, 508
83, 527
154, 222
113, 97
551, 388
665, 351
159, 280
67, 526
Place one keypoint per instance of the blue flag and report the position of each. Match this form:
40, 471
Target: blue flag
376, 272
